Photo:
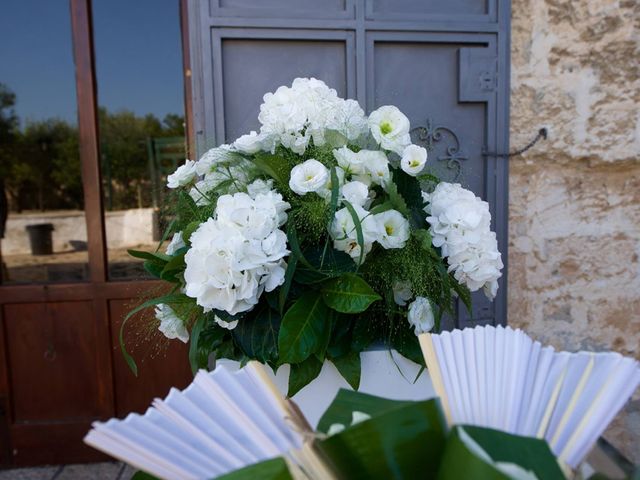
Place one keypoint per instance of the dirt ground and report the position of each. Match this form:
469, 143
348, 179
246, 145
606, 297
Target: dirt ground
68, 266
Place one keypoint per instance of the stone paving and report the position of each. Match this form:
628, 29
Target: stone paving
92, 471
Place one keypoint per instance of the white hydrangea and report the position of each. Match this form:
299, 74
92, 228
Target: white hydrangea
183, 175
171, 325
393, 229
259, 186
461, 227
213, 157
175, 244
390, 128
235, 177
309, 109
420, 315
309, 176
356, 193
252, 143
239, 253
344, 233
413, 159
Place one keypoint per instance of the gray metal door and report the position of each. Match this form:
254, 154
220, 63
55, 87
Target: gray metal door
445, 64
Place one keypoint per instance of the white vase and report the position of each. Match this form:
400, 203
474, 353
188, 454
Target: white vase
385, 373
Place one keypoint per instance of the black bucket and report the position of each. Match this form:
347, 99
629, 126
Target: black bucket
40, 238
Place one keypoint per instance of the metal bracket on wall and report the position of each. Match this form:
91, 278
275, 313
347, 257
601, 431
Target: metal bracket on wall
429, 135
543, 134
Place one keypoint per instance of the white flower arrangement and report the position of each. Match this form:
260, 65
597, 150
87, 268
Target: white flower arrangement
317, 235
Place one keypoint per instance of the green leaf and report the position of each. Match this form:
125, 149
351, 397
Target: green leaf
349, 294
302, 328
188, 231
325, 263
186, 210
257, 335
172, 268
159, 258
350, 368
321, 352
283, 291
301, 374
166, 233
273, 469
340, 343
383, 207
335, 195
404, 442
172, 298
358, 226
273, 166
404, 340
292, 237
396, 199
409, 189
463, 293
459, 461
364, 333
347, 401
154, 269
194, 339
140, 475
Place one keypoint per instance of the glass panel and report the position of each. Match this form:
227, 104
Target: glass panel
42, 222
140, 93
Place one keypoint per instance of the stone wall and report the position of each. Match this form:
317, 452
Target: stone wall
575, 199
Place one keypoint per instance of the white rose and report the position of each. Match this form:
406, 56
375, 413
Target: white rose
355, 193
349, 161
413, 159
170, 324
309, 176
250, 143
325, 192
376, 166
390, 128
183, 175
402, 293
175, 244
393, 229
343, 231
420, 315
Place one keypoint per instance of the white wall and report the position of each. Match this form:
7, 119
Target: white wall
125, 229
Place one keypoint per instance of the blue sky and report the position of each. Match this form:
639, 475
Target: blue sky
138, 56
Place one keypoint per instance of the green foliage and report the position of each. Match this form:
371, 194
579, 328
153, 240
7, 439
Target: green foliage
302, 328
460, 461
402, 440
310, 216
322, 263
349, 367
302, 373
273, 469
348, 294
257, 335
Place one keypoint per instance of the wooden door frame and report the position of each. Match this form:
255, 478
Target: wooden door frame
98, 288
